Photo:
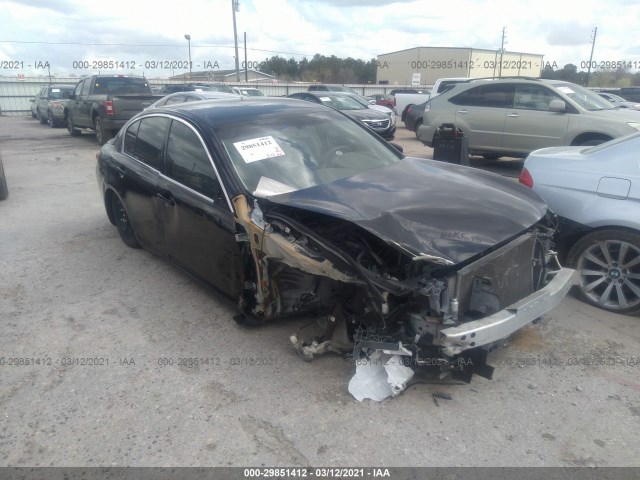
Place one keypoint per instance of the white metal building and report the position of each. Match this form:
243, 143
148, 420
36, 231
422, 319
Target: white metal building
424, 65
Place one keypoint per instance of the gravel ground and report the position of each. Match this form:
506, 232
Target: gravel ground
106, 330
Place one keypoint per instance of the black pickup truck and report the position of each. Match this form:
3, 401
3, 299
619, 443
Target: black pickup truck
104, 103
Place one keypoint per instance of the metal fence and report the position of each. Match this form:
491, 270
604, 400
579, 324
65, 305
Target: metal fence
16, 93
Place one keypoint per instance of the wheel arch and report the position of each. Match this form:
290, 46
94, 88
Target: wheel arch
584, 137
571, 238
108, 200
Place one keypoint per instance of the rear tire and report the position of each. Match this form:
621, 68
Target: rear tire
416, 127
73, 131
121, 219
103, 135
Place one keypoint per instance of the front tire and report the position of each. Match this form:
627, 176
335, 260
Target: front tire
608, 266
121, 219
50, 120
42, 119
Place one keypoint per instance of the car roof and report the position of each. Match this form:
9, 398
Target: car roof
223, 111
331, 94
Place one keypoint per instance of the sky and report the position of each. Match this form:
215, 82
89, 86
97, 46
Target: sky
64, 37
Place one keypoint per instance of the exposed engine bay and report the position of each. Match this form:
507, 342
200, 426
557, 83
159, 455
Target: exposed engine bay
400, 309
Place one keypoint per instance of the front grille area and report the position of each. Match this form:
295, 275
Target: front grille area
377, 124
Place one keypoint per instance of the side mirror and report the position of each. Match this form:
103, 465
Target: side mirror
557, 105
72, 96
66, 95
32, 100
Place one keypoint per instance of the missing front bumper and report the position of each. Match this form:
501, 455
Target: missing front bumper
499, 325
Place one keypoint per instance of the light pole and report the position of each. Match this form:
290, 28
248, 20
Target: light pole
188, 38
235, 6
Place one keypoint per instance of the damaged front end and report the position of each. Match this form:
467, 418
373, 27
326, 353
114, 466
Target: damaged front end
394, 309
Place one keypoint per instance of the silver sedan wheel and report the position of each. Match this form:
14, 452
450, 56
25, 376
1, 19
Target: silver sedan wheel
609, 271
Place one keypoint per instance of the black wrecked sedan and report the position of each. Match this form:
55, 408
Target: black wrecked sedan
383, 123
292, 208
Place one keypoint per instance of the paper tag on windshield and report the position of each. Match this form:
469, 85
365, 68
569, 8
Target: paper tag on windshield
258, 149
565, 90
55, 90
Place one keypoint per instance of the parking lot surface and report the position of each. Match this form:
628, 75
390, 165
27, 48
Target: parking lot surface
112, 357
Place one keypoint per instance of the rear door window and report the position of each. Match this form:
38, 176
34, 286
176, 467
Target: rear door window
490, 95
149, 141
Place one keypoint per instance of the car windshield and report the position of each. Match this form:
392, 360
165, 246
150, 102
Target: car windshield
584, 97
341, 102
275, 154
58, 93
615, 97
252, 93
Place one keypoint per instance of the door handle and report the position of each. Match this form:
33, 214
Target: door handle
463, 111
514, 115
167, 198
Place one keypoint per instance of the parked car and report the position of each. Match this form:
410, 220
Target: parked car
4, 190
596, 193
384, 100
32, 107
512, 117
384, 124
413, 117
421, 91
182, 97
103, 103
318, 87
292, 208
631, 94
366, 102
195, 87
50, 103
618, 101
248, 91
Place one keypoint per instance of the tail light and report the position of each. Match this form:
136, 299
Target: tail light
108, 106
525, 178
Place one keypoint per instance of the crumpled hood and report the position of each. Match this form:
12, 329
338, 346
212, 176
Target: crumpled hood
427, 207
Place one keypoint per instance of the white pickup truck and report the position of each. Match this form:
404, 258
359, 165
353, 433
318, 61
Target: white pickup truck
403, 100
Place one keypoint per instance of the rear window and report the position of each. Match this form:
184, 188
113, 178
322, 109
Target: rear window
121, 85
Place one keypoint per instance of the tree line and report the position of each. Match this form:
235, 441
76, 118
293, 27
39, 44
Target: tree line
321, 69
614, 78
349, 70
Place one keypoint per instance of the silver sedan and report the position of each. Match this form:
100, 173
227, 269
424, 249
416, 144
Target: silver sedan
596, 193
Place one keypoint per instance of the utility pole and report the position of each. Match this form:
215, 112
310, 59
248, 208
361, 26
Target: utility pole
235, 6
593, 44
501, 51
